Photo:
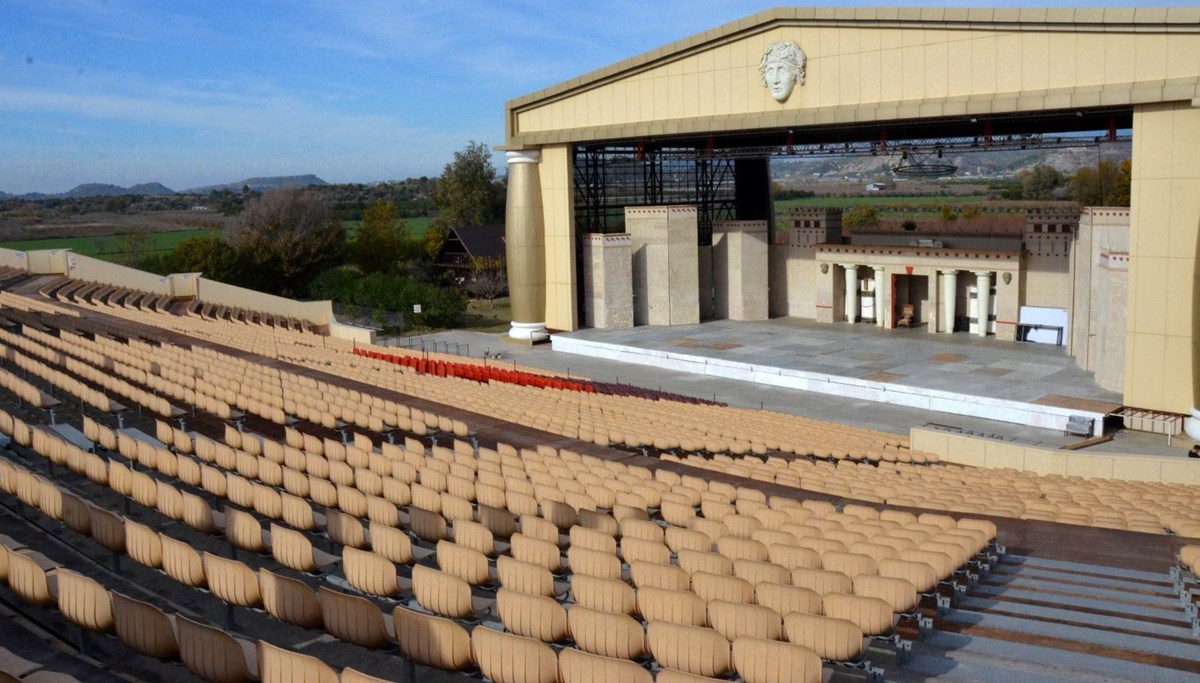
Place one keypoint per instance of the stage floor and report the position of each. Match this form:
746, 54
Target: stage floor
962, 374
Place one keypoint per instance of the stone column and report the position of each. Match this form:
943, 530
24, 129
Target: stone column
879, 279
949, 299
983, 299
525, 247
851, 292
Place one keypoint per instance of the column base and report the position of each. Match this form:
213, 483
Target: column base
1191, 425
529, 332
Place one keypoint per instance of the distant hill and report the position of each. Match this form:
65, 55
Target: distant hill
260, 184
151, 190
99, 190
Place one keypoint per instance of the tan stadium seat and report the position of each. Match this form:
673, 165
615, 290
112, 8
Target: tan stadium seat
898, 593
591, 539
691, 649
741, 526
606, 633
232, 581
537, 527
143, 544
637, 549
599, 521
428, 526
107, 529
742, 549
575, 666
345, 529
560, 514
445, 594
872, 615
278, 665
678, 539
476, 536
712, 528
607, 595
834, 640
525, 577
849, 564
294, 550
735, 619
432, 641
84, 601
214, 655
787, 599
822, 581
354, 619
692, 561
642, 529
758, 572
651, 574
673, 676
395, 545
506, 658
532, 616
718, 587
767, 661
30, 575
942, 564
198, 515
243, 530
677, 513
791, 556
594, 563
499, 521
144, 628
297, 513
674, 606
536, 551
289, 600
370, 573
467, 564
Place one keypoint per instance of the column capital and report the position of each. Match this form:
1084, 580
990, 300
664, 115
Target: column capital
982, 273
953, 271
879, 268
849, 266
525, 156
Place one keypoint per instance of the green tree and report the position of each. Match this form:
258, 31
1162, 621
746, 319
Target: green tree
290, 236
212, 256
383, 240
860, 217
468, 192
136, 247
1105, 184
1040, 182
948, 214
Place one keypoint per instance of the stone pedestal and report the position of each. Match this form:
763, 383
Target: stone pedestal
740, 270
608, 281
666, 288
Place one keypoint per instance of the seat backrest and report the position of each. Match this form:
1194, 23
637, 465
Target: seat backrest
647, 574
632, 527
758, 572
591, 539
243, 530
476, 536
537, 551
212, 654
718, 587
84, 601
432, 641
850, 564
692, 649
506, 658
144, 628
675, 606
108, 529
767, 661
792, 556
742, 549
525, 577
922, 576
575, 666
231, 581
608, 595
29, 575
834, 640
642, 550
468, 564
785, 599
292, 549
345, 529
606, 633
370, 573
692, 561
599, 521
277, 665
428, 526
532, 616
872, 615
197, 513
735, 619
352, 618
678, 539
898, 593
442, 593
822, 581
289, 600
391, 543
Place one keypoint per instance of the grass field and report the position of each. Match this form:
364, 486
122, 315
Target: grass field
110, 245
416, 227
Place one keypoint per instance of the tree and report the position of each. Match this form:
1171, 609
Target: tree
948, 214
211, 255
488, 279
290, 236
383, 240
860, 217
1105, 184
1040, 182
136, 247
468, 193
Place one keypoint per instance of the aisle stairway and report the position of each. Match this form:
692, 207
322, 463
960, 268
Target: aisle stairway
1050, 621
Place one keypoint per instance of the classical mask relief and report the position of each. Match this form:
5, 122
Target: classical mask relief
782, 68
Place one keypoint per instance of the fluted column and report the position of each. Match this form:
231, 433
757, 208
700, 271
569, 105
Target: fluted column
949, 299
879, 296
851, 293
983, 299
525, 247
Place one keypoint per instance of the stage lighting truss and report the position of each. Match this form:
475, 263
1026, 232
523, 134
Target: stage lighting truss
923, 163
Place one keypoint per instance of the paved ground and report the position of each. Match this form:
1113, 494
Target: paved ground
858, 352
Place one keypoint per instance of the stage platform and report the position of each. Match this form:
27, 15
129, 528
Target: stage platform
961, 374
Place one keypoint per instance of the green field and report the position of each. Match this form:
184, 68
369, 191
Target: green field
416, 227
110, 245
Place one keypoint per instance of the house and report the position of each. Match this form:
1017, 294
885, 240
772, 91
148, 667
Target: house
464, 245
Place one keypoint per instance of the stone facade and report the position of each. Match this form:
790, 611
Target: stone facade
739, 267
608, 281
1100, 269
666, 268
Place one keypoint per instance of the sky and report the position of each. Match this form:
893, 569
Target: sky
193, 93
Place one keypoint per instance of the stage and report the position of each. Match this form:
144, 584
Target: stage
961, 374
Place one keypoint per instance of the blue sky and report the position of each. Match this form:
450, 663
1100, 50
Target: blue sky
192, 93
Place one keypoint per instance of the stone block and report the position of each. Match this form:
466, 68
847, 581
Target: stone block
740, 270
608, 281
665, 264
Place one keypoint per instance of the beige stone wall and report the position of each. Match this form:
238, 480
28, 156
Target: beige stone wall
1100, 269
1159, 329
608, 281
870, 66
11, 258
1048, 282
991, 454
91, 269
211, 291
666, 268
555, 171
739, 267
